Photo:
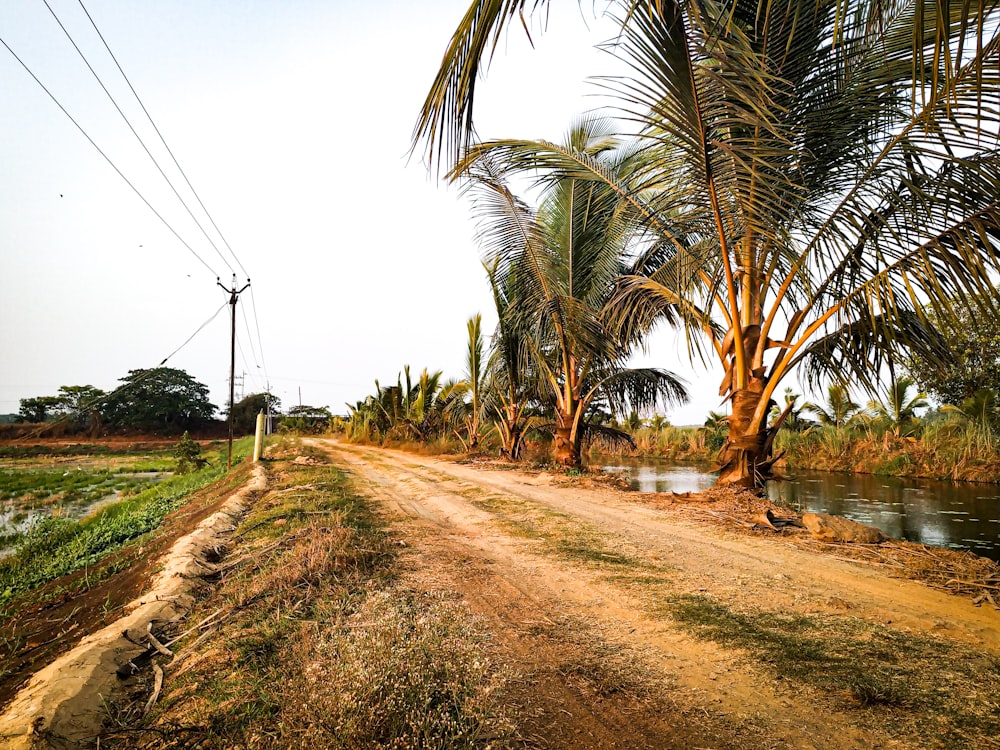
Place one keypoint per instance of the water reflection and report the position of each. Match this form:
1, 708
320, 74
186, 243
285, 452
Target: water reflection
946, 514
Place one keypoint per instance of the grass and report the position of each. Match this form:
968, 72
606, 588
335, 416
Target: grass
410, 673
909, 684
606, 668
36, 484
560, 534
317, 644
945, 448
56, 546
34, 488
675, 443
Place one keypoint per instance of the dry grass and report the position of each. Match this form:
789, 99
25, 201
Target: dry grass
305, 640
402, 671
955, 571
924, 690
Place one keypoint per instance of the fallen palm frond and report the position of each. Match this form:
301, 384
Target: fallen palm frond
955, 571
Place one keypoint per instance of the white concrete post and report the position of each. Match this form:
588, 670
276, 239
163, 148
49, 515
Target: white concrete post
258, 438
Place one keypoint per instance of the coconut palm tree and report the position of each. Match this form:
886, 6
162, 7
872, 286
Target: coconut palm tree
897, 409
810, 175
510, 389
794, 421
839, 408
417, 410
465, 397
562, 261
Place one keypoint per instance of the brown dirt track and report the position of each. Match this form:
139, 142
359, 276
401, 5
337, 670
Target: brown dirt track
579, 587
489, 536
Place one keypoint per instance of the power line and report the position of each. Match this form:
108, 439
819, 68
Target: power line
260, 343
142, 143
144, 146
188, 340
183, 174
107, 158
146, 374
153, 159
163, 140
246, 323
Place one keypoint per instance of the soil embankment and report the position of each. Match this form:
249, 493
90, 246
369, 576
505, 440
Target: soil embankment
66, 698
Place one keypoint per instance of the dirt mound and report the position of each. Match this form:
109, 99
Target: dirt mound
65, 700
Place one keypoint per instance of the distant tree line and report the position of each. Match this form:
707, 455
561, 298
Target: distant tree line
161, 400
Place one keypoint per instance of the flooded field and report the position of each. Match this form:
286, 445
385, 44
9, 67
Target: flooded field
35, 487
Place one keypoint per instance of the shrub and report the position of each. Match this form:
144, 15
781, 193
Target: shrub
188, 455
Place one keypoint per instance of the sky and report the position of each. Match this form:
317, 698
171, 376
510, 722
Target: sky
292, 119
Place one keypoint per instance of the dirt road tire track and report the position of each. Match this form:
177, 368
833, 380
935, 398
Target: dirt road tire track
715, 697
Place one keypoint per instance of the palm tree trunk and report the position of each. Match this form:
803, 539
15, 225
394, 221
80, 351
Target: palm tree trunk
513, 440
512, 446
746, 458
566, 445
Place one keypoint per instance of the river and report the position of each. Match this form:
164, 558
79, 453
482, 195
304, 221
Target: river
960, 515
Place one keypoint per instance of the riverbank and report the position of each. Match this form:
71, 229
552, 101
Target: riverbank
947, 449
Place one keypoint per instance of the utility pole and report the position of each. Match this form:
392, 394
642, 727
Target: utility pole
234, 295
267, 401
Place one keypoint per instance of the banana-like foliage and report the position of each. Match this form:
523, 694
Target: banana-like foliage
554, 272
838, 410
808, 179
510, 388
896, 408
416, 410
465, 402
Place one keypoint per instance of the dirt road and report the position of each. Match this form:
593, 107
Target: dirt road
643, 627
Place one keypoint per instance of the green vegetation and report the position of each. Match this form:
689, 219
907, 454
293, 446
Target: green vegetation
305, 419
34, 488
159, 399
56, 545
245, 411
942, 444
188, 455
786, 194
559, 266
804, 222
77, 404
973, 369
424, 410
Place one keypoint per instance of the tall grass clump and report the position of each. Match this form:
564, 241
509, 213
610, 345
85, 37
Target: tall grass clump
942, 445
412, 674
667, 441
